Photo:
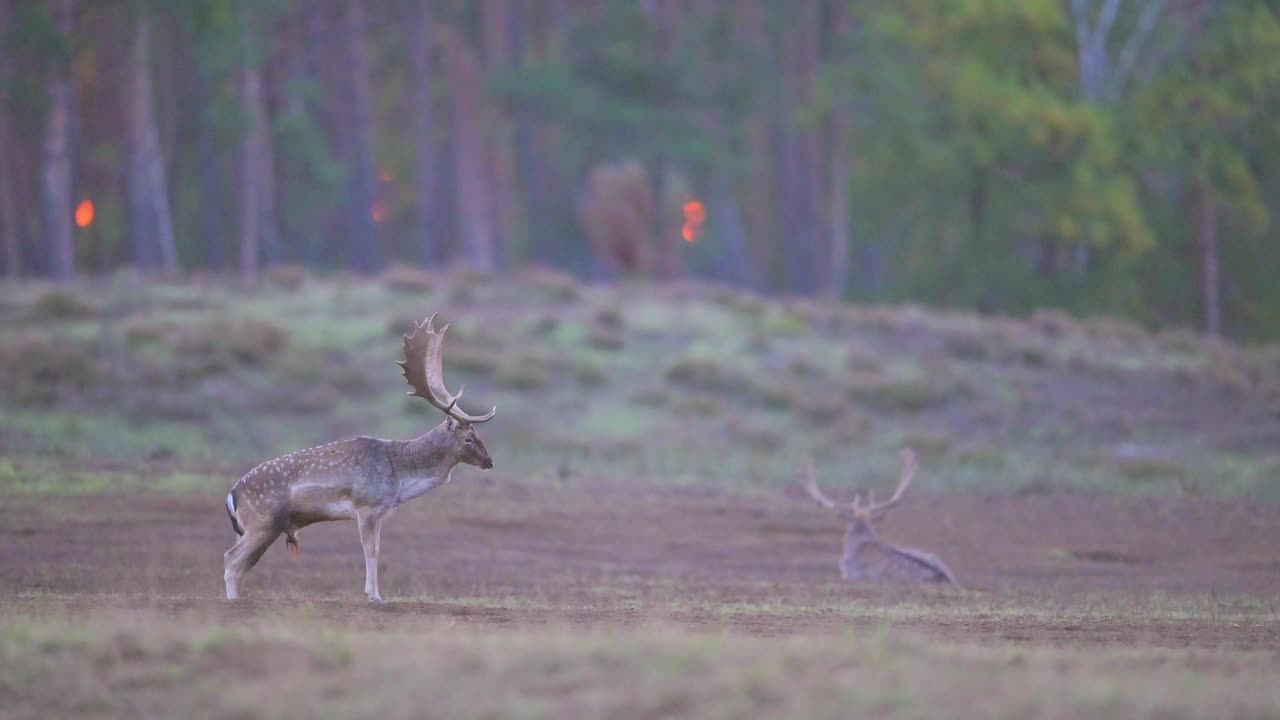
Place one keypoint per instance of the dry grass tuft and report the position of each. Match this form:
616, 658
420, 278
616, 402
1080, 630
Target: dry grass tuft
906, 391
408, 279
530, 370
1054, 323
287, 277
556, 285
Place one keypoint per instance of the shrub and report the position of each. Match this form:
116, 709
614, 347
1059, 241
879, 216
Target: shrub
521, 374
616, 212
37, 371
706, 375
907, 393
222, 345
288, 277
966, 346
590, 373
61, 304
1117, 329
605, 338
556, 286
407, 279
609, 316
1054, 323
819, 406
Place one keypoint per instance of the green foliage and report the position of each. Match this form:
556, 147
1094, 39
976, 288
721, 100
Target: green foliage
988, 167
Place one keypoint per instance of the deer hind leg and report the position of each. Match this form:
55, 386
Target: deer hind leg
370, 526
242, 556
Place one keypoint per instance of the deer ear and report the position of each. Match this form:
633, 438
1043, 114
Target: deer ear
450, 424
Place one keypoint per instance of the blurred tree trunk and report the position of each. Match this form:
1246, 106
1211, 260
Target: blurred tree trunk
151, 223
257, 181
669, 241
251, 181
475, 216
761, 183
364, 234
501, 168
528, 192
837, 277
209, 174
731, 237
56, 160
426, 188
8, 221
1207, 239
798, 154
813, 159
838, 262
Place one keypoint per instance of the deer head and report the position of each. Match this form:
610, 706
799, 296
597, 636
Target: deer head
423, 367
864, 510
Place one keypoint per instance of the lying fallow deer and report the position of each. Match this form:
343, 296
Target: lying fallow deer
866, 556
364, 479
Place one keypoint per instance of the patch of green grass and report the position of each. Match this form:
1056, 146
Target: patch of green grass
47, 478
655, 670
734, 388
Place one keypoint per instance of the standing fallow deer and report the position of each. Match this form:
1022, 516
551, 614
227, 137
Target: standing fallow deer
866, 556
363, 478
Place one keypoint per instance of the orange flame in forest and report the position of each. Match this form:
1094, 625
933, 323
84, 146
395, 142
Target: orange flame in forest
695, 213
378, 211
84, 214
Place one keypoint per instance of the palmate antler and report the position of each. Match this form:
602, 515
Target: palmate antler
860, 503
424, 370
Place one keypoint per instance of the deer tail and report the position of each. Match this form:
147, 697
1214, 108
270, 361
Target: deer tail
231, 512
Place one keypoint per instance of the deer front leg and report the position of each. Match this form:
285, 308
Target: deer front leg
370, 525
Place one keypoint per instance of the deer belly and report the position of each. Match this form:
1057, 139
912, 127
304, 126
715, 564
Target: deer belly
316, 502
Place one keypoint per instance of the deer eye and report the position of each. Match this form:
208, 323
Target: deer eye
470, 441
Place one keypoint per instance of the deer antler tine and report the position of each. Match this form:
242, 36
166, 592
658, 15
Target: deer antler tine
423, 370
907, 474
811, 486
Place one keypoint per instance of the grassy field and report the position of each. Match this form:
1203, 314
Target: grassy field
1106, 495
134, 665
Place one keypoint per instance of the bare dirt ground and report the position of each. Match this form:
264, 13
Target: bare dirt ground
491, 551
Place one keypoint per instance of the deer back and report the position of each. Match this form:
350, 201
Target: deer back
355, 471
879, 561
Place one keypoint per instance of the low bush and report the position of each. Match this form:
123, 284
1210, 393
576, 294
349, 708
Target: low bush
40, 370
407, 279
61, 304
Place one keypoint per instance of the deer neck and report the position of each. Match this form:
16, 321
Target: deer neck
422, 464
859, 531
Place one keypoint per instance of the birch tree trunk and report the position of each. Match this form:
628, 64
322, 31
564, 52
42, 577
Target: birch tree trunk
151, 222
475, 216
426, 190
250, 181
56, 157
